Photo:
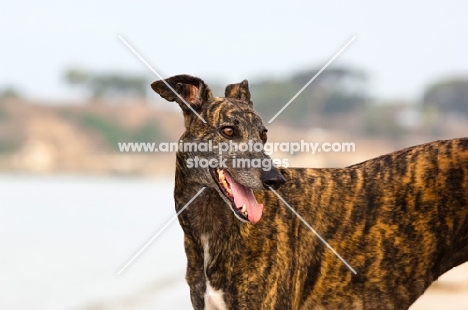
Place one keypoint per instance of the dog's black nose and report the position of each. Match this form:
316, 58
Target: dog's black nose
272, 178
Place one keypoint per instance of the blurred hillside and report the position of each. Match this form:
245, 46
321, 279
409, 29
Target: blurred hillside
82, 137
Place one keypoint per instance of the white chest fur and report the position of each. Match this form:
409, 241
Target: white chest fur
213, 298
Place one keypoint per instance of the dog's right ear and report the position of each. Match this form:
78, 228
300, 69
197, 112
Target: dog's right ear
191, 89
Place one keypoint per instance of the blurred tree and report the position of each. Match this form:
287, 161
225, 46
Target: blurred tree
334, 91
9, 92
448, 96
380, 121
270, 96
108, 85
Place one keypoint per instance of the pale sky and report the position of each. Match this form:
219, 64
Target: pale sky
402, 44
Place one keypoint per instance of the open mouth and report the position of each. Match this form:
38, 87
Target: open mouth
242, 199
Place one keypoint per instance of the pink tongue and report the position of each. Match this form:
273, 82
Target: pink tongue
244, 195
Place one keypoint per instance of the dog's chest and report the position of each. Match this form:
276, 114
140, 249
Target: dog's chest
213, 298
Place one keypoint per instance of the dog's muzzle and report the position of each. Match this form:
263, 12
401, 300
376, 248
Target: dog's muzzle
272, 178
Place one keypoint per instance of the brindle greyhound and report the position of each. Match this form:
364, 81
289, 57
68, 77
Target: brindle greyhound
400, 220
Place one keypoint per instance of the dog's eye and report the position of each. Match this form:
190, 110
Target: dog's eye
228, 131
264, 135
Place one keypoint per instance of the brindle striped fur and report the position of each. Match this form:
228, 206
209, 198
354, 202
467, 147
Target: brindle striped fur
401, 220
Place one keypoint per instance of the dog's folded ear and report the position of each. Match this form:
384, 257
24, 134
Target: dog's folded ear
238, 91
191, 89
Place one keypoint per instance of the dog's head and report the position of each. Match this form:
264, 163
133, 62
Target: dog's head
225, 149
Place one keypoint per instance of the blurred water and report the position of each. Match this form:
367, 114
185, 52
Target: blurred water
64, 238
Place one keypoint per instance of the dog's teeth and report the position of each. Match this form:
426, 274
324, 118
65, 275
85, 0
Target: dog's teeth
221, 175
244, 208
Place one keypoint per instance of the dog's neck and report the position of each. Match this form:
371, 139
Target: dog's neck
208, 213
